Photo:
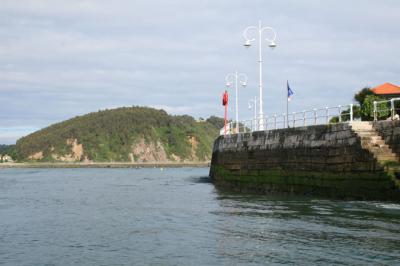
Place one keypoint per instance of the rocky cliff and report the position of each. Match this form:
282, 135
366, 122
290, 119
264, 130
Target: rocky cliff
128, 134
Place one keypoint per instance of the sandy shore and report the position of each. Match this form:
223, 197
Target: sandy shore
104, 165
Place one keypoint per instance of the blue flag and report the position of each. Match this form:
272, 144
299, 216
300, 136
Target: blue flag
289, 92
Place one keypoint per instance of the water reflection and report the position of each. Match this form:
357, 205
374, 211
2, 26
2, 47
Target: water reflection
303, 230
177, 217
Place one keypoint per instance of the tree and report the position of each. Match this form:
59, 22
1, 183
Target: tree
360, 96
216, 121
367, 108
366, 98
111, 135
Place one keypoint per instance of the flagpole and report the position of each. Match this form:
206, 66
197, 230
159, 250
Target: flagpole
287, 104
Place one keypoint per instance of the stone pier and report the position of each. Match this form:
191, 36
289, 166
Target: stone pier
340, 160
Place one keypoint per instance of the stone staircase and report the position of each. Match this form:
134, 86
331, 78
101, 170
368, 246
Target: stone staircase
371, 141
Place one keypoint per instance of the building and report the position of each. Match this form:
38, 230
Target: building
6, 159
387, 90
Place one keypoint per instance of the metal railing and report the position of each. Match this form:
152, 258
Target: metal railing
386, 109
327, 115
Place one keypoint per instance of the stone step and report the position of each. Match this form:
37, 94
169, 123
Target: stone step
381, 149
366, 133
376, 144
384, 148
365, 128
361, 126
369, 144
386, 158
371, 141
384, 154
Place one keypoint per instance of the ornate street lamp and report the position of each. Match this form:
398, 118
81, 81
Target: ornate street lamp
236, 78
271, 44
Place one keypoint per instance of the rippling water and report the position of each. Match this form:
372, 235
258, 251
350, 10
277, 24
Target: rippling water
177, 217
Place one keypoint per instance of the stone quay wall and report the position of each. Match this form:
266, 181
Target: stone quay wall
325, 160
390, 133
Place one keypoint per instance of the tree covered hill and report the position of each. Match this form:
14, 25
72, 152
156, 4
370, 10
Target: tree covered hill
5, 149
137, 134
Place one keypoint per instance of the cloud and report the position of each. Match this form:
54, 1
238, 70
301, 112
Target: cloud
65, 58
8, 135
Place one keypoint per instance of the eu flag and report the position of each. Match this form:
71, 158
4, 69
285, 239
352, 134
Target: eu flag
289, 91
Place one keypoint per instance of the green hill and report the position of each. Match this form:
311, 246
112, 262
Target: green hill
137, 134
6, 149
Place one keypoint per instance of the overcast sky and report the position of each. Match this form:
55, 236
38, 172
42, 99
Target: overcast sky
62, 58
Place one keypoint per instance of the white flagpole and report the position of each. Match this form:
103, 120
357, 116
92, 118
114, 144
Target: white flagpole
287, 104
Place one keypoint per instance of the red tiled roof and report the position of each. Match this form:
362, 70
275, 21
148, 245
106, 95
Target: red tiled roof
386, 88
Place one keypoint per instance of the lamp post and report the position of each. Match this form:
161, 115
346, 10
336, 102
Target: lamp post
254, 103
243, 81
271, 44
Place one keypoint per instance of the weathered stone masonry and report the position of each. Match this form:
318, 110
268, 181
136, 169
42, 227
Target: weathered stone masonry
323, 159
390, 132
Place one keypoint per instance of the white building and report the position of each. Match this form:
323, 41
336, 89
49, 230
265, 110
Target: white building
6, 159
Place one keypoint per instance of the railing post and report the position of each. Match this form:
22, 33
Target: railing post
294, 119
253, 124
392, 108
327, 115
315, 117
266, 123
284, 120
375, 111
351, 112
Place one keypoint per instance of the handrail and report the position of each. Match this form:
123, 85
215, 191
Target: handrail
314, 116
295, 119
379, 109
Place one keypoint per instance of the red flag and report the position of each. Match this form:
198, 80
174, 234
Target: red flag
225, 103
225, 98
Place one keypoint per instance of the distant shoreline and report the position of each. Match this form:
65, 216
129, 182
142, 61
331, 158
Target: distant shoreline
105, 165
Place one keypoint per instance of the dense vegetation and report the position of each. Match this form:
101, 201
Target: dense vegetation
110, 135
364, 110
7, 150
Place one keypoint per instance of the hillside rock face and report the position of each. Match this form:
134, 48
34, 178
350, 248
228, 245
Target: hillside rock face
131, 134
76, 152
151, 152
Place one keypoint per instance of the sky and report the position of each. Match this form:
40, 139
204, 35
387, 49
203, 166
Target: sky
63, 58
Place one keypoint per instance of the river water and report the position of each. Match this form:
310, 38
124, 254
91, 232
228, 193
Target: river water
175, 216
